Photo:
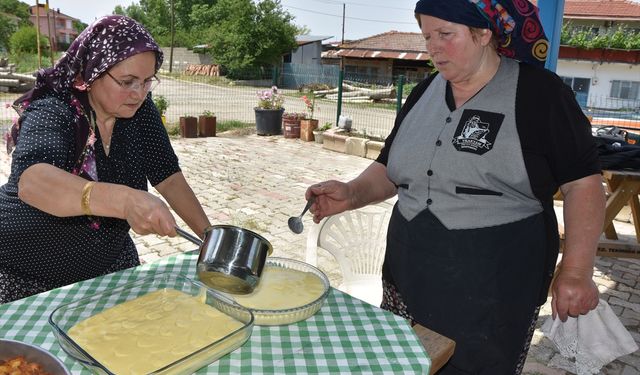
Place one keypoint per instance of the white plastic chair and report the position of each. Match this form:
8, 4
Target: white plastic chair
357, 239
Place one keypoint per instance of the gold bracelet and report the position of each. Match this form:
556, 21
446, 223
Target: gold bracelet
86, 197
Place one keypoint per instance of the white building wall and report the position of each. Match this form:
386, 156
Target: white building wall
307, 54
601, 76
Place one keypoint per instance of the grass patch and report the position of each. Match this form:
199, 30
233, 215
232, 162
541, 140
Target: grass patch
226, 125
173, 129
28, 63
214, 81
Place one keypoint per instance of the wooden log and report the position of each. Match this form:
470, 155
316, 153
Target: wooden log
9, 82
325, 92
21, 77
357, 100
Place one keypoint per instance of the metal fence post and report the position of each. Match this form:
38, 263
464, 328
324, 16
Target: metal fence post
274, 76
399, 93
339, 107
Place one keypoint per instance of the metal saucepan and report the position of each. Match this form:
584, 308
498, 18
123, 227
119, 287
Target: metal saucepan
231, 258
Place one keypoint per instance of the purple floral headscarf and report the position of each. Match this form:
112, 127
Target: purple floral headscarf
106, 42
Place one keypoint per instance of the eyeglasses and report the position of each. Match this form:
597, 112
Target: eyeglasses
134, 85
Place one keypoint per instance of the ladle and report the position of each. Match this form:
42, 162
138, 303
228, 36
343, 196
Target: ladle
295, 222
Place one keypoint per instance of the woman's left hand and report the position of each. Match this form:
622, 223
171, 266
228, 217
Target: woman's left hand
574, 293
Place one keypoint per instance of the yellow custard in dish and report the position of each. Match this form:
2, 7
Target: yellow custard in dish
152, 331
282, 288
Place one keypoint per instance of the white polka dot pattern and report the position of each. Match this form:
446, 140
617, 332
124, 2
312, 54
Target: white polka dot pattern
39, 250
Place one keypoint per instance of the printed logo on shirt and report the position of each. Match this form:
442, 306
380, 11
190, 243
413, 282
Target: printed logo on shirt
477, 131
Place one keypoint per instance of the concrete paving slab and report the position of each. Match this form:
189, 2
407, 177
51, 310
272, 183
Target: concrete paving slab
259, 181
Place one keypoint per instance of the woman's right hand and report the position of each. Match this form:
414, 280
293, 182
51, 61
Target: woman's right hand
332, 197
147, 214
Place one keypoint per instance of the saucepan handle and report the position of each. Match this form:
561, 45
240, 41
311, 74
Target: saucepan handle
189, 236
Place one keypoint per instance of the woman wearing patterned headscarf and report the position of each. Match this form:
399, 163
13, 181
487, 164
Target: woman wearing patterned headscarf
475, 157
87, 141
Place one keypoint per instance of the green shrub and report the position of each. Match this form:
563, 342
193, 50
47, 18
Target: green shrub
24, 40
583, 37
161, 103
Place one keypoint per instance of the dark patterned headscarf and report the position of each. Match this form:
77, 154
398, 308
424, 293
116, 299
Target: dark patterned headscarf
106, 42
515, 23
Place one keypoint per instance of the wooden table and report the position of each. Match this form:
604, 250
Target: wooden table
440, 348
623, 188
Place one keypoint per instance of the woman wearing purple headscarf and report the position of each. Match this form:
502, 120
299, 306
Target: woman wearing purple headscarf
87, 141
475, 157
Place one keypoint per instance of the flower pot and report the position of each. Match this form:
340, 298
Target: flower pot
268, 121
188, 127
306, 129
291, 126
317, 136
207, 126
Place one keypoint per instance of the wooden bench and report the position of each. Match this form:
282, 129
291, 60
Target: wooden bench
623, 188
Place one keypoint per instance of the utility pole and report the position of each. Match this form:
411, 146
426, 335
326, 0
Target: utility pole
173, 32
343, 12
342, 42
38, 33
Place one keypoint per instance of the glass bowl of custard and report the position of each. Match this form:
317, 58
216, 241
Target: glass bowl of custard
163, 324
289, 291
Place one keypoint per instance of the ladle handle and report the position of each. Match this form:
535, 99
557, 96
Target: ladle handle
189, 236
309, 203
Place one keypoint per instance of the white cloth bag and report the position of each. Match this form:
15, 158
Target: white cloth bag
594, 339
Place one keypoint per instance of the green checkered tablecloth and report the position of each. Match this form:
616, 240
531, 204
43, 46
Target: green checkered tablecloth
345, 336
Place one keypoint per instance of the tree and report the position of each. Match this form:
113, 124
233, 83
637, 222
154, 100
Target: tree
8, 24
6, 29
16, 8
250, 35
185, 10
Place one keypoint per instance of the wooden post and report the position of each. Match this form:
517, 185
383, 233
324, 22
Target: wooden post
38, 33
46, 8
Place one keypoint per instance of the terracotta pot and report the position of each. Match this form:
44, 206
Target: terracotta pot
188, 127
306, 129
207, 126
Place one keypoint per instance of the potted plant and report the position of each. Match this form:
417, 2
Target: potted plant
188, 126
291, 124
317, 134
162, 104
207, 124
309, 124
269, 112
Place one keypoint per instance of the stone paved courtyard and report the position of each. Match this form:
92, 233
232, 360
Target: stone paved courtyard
259, 182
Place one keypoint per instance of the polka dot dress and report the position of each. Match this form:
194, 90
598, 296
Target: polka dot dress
39, 251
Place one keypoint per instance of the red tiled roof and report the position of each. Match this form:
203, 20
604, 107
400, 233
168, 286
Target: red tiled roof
389, 45
390, 41
601, 9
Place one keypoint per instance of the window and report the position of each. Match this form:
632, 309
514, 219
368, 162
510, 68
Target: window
625, 90
577, 84
580, 87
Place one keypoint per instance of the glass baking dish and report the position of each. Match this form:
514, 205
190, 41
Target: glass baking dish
66, 316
